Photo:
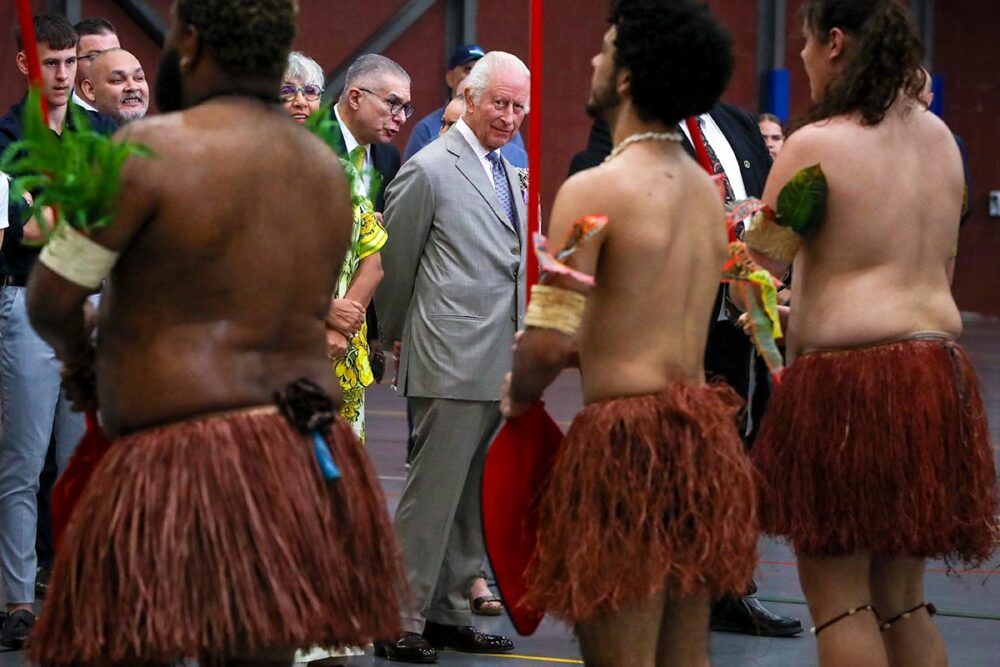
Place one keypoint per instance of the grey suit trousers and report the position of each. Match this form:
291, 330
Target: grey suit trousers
439, 515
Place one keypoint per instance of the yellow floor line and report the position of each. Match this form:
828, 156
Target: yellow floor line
536, 658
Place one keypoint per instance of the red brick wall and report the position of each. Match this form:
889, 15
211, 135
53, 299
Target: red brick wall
965, 54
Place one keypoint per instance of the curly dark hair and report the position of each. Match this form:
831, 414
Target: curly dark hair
247, 38
882, 59
52, 30
679, 56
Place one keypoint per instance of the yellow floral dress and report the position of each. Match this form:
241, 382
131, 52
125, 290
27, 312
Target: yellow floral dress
353, 370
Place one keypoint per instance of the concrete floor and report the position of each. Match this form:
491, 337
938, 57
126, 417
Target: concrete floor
968, 602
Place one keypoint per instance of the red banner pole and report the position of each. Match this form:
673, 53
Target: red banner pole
30, 44
534, 138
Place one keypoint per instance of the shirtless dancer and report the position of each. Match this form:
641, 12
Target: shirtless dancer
654, 441
210, 530
875, 448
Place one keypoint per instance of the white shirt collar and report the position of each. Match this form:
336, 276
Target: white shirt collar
82, 102
477, 148
472, 139
350, 143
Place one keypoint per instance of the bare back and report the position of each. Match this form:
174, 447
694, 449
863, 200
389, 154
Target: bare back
879, 267
238, 232
657, 271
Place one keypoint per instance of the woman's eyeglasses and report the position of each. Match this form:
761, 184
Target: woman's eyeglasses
310, 93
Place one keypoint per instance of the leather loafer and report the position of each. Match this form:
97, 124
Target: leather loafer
465, 638
16, 628
746, 615
410, 647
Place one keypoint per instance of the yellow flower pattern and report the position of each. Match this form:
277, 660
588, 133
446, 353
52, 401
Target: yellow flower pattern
353, 370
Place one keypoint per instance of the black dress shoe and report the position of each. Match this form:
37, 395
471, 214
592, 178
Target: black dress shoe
411, 647
16, 628
465, 638
748, 616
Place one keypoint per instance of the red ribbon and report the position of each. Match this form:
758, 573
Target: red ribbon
698, 141
30, 43
534, 139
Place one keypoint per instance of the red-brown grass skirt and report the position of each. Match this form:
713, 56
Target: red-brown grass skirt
218, 537
882, 449
648, 493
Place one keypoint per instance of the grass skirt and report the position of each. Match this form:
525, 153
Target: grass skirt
882, 449
648, 493
218, 537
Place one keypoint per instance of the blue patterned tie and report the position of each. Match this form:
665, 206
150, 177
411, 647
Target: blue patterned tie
500, 184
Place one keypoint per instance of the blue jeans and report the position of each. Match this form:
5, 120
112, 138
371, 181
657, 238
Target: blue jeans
35, 412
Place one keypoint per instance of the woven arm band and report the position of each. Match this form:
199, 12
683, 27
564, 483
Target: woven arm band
555, 308
767, 237
77, 258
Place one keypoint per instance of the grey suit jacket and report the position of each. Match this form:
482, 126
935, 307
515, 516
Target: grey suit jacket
453, 290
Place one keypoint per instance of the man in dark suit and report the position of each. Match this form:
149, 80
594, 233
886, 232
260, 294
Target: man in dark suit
737, 151
372, 108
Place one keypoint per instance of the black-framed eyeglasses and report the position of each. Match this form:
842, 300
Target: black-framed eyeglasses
310, 93
395, 106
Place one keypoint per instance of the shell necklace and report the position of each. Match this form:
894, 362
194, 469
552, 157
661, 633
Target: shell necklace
643, 136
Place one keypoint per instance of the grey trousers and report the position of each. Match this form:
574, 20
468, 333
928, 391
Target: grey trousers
439, 518
35, 412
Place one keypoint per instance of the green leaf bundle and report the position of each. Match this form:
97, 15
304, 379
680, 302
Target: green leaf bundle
802, 202
77, 175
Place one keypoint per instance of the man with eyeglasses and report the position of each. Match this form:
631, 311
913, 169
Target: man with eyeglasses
97, 35
372, 109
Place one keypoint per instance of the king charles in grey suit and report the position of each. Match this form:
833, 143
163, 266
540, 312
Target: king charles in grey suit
454, 295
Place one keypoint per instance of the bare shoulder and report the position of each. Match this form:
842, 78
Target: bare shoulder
589, 192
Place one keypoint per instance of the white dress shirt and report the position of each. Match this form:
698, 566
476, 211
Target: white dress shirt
4, 196
717, 140
350, 143
76, 99
480, 150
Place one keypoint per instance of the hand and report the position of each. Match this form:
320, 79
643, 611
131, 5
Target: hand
397, 351
378, 216
744, 323
517, 339
346, 316
510, 408
336, 344
80, 382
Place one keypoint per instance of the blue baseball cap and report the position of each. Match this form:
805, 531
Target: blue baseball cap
465, 54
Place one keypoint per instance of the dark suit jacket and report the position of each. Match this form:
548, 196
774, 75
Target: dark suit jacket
385, 159
729, 351
743, 135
